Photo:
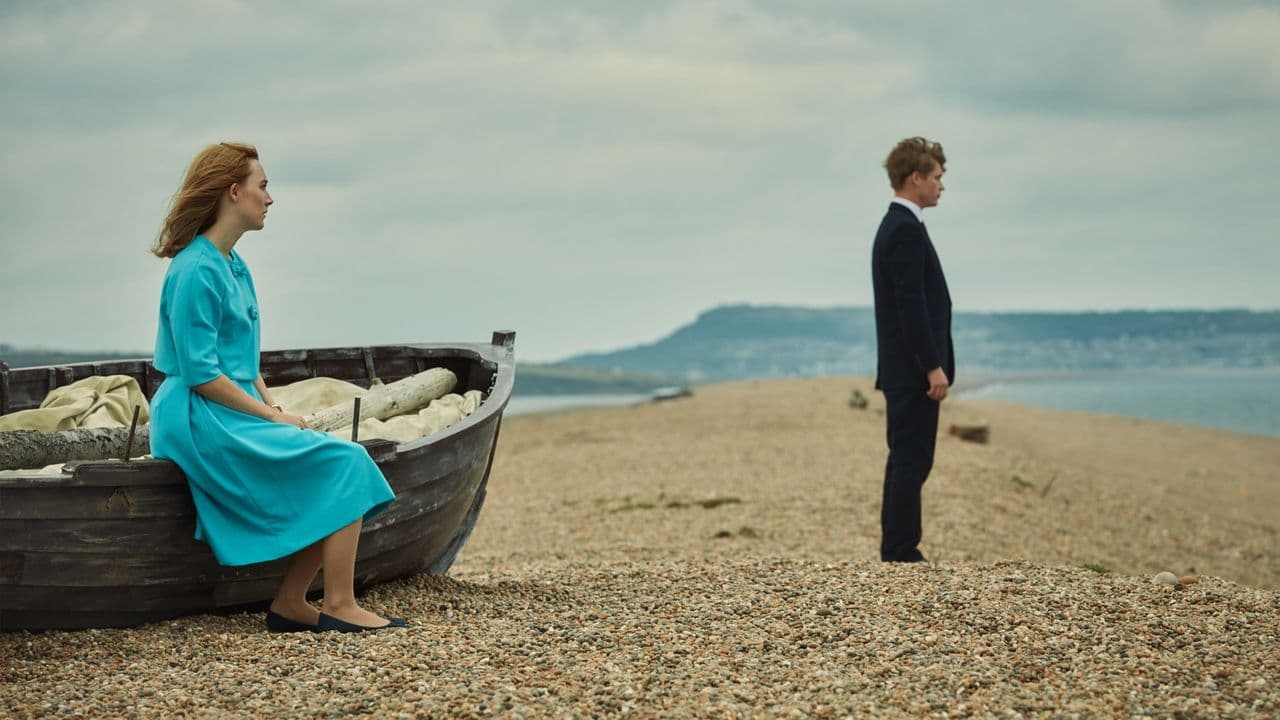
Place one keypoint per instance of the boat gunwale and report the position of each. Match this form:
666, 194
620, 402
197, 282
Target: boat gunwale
497, 355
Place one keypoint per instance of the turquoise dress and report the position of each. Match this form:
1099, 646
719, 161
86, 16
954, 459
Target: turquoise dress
262, 490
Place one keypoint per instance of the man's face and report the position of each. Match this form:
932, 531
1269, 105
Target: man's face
928, 186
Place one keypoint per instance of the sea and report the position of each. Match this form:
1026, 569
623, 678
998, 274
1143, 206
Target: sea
1237, 400
530, 404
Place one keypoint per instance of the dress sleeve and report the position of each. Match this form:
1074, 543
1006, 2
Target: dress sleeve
194, 319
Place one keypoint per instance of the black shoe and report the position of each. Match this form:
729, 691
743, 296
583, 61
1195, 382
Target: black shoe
329, 623
914, 557
278, 623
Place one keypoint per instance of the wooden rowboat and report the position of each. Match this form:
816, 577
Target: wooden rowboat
111, 543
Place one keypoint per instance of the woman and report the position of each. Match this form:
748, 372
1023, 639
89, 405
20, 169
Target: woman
264, 486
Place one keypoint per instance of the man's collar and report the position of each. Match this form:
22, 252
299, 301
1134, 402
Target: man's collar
914, 208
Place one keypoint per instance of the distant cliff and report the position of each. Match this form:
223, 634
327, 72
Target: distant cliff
36, 357
746, 341
742, 341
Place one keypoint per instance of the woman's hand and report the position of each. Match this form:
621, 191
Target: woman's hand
294, 420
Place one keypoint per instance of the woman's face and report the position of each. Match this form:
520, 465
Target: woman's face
251, 198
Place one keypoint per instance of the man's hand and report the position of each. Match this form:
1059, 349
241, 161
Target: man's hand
938, 384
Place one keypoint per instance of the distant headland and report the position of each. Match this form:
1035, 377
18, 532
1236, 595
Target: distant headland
736, 342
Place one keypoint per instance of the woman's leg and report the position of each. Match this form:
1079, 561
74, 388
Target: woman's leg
291, 598
339, 557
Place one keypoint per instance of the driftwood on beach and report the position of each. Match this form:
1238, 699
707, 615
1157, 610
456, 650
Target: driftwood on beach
976, 433
33, 448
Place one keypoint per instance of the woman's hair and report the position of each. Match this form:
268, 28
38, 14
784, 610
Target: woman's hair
195, 206
912, 155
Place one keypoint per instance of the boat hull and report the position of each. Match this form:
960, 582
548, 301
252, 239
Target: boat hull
111, 543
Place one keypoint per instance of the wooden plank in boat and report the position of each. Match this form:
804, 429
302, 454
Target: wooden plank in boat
96, 566
139, 472
26, 388
133, 473
141, 536
108, 569
430, 528
169, 599
427, 496
405, 475
112, 500
36, 502
4, 388
12, 565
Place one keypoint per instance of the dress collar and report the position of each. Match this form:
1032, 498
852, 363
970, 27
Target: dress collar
237, 265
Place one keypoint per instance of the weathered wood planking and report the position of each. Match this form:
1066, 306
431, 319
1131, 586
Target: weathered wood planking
110, 543
86, 567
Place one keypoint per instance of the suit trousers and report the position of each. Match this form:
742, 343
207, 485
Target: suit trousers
912, 422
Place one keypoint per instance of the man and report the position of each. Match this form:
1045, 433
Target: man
916, 364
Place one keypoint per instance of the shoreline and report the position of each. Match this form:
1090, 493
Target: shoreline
1233, 400
979, 379
968, 390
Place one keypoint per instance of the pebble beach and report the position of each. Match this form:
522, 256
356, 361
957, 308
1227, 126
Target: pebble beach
716, 556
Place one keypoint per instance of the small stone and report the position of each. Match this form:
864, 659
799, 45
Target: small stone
1188, 580
1166, 578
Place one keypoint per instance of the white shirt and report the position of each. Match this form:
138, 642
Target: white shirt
914, 208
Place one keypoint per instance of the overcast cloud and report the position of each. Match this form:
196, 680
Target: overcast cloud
595, 174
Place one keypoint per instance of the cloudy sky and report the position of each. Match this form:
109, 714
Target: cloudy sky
594, 174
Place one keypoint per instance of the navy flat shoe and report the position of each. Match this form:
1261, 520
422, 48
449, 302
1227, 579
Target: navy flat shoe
329, 623
278, 623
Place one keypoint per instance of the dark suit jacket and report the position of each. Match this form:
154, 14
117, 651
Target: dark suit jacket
913, 307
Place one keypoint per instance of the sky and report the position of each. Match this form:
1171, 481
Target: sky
594, 175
